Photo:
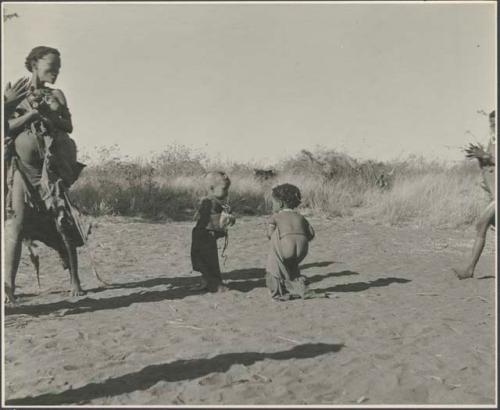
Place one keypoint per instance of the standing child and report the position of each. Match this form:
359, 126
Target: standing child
212, 218
290, 234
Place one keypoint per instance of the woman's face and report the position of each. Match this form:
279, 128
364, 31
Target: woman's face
47, 68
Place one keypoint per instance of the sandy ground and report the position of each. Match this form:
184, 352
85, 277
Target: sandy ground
397, 326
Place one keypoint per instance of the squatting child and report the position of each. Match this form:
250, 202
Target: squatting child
212, 219
290, 234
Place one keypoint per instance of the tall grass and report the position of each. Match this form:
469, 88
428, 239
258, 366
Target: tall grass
169, 184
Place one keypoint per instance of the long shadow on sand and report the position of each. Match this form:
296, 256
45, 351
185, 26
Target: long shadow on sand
361, 286
171, 372
240, 274
317, 264
179, 289
257, 278
86, 305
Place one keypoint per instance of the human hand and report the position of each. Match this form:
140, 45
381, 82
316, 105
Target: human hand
14, 94
33, 114
47, 120
232, 220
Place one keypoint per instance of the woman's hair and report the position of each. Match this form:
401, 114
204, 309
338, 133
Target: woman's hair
214, 177
289, 194
37, 53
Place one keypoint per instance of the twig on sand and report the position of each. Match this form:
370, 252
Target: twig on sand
452, 328
477, 296
427, 294
260, 377
177, 324
453, 386
439, 379
191, 327
290, 340
479, 350
180, 399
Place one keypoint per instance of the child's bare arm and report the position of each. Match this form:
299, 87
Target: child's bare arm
310, 231
271, 226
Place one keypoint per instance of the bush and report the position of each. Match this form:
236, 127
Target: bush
169, 185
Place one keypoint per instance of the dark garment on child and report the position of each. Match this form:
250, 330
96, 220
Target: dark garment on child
204, 253
283, 278
205, 257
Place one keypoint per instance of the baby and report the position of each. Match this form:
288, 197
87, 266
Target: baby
290, 234
212, 219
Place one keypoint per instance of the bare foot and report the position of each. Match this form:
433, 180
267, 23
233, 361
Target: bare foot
463, 273
222, 289
283, 298
78, 291
10, 300
9, 296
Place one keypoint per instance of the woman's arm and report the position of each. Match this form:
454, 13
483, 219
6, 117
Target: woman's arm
15, 124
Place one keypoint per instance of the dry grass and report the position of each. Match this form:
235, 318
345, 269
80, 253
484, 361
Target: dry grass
333, 184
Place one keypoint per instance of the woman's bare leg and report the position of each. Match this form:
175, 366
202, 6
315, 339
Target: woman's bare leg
14, 236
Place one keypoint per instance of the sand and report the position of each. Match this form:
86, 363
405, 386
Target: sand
396, 328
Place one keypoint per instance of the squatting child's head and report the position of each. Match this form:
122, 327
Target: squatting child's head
217, 184
286, 196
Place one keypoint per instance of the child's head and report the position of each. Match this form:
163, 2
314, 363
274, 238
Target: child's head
51, 103
218, 184
286, 196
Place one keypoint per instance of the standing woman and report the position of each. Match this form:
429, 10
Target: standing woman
43, 167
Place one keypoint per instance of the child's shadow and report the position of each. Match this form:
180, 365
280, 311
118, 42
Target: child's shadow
361, 286
245, 280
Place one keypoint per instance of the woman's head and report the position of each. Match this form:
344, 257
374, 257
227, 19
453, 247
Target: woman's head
218, 184
45, 62
286, 196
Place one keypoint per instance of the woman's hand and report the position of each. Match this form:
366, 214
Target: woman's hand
48, 120
14, 94
33, 114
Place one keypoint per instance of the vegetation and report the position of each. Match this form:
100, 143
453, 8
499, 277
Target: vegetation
168, 186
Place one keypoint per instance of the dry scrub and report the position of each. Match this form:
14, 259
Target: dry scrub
167, 186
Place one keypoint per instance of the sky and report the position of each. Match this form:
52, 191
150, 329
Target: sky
260, 82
